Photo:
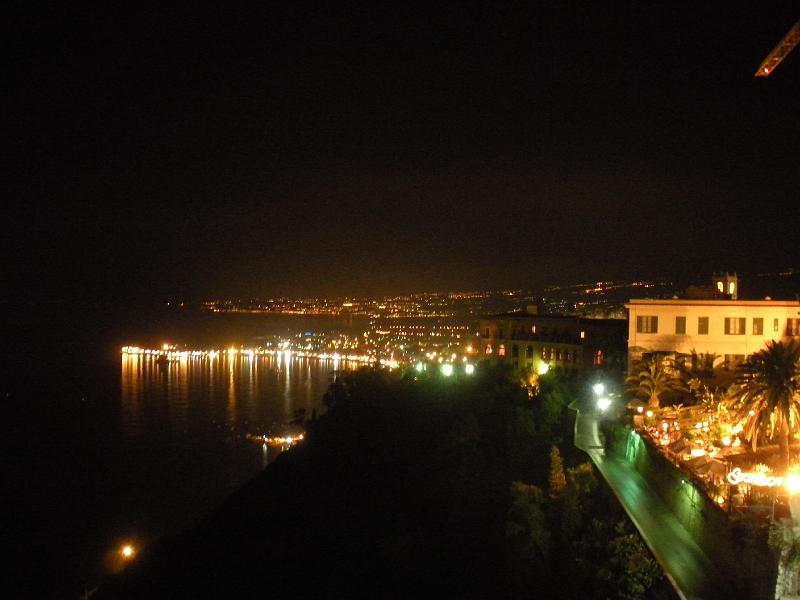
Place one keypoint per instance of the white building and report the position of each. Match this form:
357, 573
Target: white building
731, 329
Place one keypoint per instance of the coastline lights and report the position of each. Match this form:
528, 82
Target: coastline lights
285, 352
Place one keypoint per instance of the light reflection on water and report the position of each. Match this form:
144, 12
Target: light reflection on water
238, 394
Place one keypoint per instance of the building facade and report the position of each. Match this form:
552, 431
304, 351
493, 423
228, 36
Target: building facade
731, 329
529, 341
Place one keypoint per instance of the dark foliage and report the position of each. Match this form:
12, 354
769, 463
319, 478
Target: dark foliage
404, 487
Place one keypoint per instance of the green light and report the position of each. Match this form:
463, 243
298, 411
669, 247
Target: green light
420, 367
469, 369
447, 369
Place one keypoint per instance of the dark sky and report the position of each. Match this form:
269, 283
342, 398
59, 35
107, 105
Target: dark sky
361, 148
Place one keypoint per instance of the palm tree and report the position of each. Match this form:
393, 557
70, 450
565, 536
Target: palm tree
652, 380
767, 394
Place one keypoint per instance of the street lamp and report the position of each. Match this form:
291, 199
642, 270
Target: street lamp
599, 388
543, 368
603, 403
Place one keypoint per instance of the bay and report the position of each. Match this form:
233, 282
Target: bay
101, 448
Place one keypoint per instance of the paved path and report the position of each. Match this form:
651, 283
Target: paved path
688, 568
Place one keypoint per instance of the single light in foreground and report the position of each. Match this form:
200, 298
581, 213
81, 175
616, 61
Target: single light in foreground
603, 403
469, 369
599, 388
127, 551
447, 369
543, 368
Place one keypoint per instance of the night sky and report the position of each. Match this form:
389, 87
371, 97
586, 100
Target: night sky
360, 148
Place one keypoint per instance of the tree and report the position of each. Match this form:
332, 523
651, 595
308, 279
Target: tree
652, 380
526, 523
558, 480
766, 395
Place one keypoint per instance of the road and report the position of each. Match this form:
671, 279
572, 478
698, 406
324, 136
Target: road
687, 567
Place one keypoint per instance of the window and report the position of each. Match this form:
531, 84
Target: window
646, 324
598, 358
501, 350
702, 325
488, 349
583, 335
734, 325
758, 326
533, 329
792, 326
775, 325
680, 325
529, 352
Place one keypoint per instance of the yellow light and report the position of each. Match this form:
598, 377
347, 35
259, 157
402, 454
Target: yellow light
649, 413
127, 551
639, 409
726, 441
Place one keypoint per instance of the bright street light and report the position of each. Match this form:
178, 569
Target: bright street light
447, 369
469, 369
599, 388
603, 403
543, 368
